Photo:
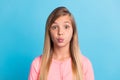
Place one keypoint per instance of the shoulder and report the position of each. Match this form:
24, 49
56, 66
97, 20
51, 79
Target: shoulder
87, 68
85, 60
37, 60
36, 63
86, 63
35, 67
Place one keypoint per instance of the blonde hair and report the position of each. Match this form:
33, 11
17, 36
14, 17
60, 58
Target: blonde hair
48, 46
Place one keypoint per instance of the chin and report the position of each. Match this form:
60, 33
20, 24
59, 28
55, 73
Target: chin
61, 45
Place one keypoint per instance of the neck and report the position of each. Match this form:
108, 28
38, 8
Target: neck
61, 53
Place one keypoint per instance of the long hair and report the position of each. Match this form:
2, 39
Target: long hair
48, 46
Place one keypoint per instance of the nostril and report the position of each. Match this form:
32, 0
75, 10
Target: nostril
60, 33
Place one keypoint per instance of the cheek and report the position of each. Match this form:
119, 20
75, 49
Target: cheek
52, 36
69, 35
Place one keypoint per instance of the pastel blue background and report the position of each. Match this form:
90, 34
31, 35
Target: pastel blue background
22, 25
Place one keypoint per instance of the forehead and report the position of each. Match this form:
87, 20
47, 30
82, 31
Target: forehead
63, 19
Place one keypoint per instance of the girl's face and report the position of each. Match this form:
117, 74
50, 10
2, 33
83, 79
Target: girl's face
61, 31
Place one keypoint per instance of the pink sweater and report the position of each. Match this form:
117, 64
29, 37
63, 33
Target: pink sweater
61, 70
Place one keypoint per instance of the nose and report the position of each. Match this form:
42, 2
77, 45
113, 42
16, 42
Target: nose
60, 31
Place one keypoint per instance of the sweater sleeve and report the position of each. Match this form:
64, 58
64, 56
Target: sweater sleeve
34, 70
87, 69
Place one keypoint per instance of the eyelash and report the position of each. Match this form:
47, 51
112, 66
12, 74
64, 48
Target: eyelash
66, 26
54, 27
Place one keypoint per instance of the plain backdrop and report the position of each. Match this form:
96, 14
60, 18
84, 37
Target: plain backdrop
22, 28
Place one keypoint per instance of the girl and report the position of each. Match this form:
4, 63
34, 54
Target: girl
61, 59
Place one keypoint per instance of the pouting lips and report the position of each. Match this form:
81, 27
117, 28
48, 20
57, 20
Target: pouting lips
60, 40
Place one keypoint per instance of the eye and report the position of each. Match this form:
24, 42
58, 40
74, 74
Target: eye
66, 26
54, 27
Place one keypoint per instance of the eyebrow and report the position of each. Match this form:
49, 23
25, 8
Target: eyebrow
67, 22
64, 22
